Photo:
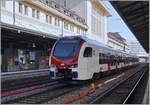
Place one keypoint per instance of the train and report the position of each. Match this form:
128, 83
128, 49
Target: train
78, 58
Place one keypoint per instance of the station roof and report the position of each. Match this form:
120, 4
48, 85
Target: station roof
24, 38
136, 15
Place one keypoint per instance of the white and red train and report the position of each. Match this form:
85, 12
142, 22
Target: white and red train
80, 58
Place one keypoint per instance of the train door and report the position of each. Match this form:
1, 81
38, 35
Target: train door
88, 59
103, 61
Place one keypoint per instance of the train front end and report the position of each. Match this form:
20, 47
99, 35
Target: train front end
64, 58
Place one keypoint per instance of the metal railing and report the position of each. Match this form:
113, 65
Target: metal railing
63, 10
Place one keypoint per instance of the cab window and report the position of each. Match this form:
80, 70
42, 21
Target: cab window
88, 52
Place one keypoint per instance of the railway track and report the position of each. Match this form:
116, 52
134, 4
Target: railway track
11, 96
22, 83
16, 80
77, 97
121, 92
45, 93
42, 97
103, 86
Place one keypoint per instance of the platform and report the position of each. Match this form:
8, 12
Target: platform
146, 96
24, 74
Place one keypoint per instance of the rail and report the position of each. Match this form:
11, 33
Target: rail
11, 96
131, 92
106, 94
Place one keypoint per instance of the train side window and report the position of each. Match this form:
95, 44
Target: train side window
88, 52
115, 60
99, 58
104, 58
111, 60
108, 59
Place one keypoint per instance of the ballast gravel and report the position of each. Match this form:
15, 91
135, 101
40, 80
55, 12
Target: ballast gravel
102, 87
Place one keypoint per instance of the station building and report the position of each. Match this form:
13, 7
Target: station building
95, 14
29, 30
116, 41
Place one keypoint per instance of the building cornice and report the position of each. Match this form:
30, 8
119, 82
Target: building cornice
101, 6
50, 10
117, 40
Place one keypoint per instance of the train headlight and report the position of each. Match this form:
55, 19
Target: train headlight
52, 68
74, 66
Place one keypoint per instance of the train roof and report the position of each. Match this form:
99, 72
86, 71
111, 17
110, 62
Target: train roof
96, 43
88, 40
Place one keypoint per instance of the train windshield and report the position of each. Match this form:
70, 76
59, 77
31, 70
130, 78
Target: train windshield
65, 49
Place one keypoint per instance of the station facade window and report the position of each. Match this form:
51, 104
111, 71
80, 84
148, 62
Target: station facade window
25, 10
3, 3
82, 31
33, 12
38, 14
50, 19
71, 27
57, 22
46, 18
20, 7
66, 25
78, 30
